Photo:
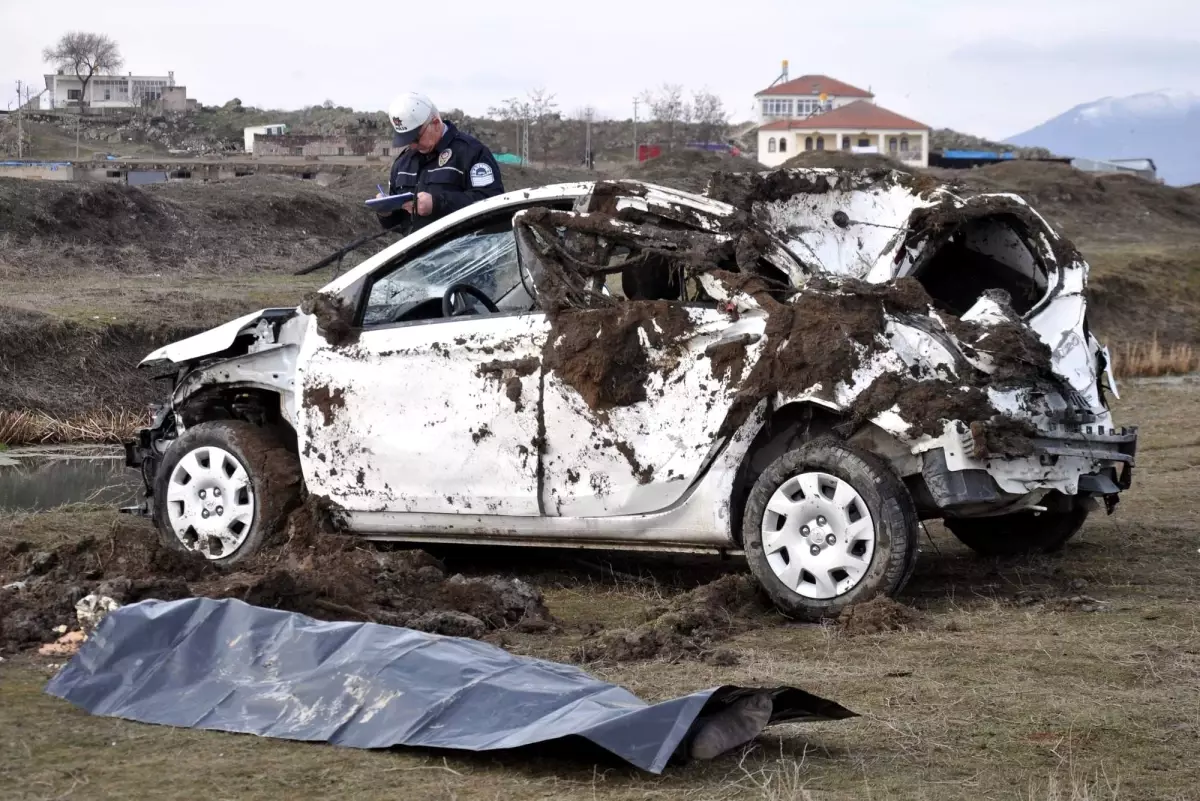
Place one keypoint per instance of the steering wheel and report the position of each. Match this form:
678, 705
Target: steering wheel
467, 290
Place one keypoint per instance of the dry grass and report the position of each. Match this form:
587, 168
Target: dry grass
1148, 359
1008, 693
107, 426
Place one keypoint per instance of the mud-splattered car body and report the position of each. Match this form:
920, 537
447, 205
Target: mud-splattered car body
651, 351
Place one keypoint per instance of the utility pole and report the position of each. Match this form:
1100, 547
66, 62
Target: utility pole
635, 151
20, 140
587, 145
525, 142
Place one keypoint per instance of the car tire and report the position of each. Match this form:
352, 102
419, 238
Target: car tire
1018, 534
862, 523
224, 488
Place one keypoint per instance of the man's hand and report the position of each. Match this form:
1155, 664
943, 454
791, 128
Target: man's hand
424, 204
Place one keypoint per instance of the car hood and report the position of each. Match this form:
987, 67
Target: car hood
213, 341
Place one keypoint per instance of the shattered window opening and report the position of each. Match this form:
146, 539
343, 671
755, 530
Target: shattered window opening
485, 259
782, 145
980, 255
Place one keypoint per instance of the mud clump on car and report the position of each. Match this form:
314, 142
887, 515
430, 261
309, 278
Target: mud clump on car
602, 353
924, 405
325, 400
688, 626
518, 368
335, 318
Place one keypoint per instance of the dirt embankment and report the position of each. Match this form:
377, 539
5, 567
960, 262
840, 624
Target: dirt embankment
70, 370
260, 223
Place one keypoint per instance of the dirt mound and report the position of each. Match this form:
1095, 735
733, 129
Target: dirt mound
323, 575
842, 160
878, 616
689, 170
1087, 206
688, 626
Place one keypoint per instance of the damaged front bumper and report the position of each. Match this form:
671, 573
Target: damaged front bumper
1062, 470
145, 452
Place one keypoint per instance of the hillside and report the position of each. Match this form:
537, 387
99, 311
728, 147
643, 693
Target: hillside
1164, 126
218, 130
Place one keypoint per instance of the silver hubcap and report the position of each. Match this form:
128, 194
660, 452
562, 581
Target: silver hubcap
210, 502
818, 535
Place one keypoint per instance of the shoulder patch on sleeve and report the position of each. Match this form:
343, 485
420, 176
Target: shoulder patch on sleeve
482, 175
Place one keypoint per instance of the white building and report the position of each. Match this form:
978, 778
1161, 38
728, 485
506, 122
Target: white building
106, 91
816, 112
275, 129
805, 96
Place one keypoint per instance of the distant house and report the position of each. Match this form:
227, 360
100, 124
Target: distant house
275, 129
816, 112
115, 91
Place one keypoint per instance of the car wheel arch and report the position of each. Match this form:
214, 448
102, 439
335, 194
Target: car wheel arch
261, 405
786, 426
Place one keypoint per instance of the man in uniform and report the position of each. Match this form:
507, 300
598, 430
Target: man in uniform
445, 168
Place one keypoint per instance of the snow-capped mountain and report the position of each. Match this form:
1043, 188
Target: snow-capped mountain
1164, 126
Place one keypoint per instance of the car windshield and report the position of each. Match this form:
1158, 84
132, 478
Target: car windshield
485, 259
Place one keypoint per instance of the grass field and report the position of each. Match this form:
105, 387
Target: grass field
1074, 677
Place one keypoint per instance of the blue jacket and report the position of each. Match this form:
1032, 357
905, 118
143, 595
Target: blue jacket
458, 172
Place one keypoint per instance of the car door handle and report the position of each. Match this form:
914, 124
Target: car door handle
740, 339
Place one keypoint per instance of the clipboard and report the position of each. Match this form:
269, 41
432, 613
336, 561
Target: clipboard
389, 203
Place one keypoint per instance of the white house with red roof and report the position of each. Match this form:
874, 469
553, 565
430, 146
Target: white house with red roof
816, 112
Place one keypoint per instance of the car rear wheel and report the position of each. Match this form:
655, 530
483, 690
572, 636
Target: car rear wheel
223, 489
1018, 534
828, 525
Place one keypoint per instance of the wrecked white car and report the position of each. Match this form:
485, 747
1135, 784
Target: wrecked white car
798, 366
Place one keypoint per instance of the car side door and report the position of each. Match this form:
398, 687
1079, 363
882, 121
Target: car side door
634, 441
428, 414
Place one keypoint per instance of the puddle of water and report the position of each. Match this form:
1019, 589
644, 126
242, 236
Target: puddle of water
36, 479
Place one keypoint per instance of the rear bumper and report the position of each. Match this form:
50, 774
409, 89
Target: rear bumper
1062, 468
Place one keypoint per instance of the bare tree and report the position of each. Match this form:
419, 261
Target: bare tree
516, 112
712, 120
543, 110
85, 54
667, 108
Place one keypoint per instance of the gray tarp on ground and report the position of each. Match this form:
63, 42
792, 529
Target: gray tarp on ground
229, 666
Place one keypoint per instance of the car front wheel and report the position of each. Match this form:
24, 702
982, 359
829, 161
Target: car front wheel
828, 525
223, 489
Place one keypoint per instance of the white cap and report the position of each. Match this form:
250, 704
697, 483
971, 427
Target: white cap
408, 113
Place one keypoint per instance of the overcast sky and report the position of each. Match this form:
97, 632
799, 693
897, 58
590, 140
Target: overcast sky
988, 68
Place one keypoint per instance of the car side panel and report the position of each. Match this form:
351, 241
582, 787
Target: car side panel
439, 417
